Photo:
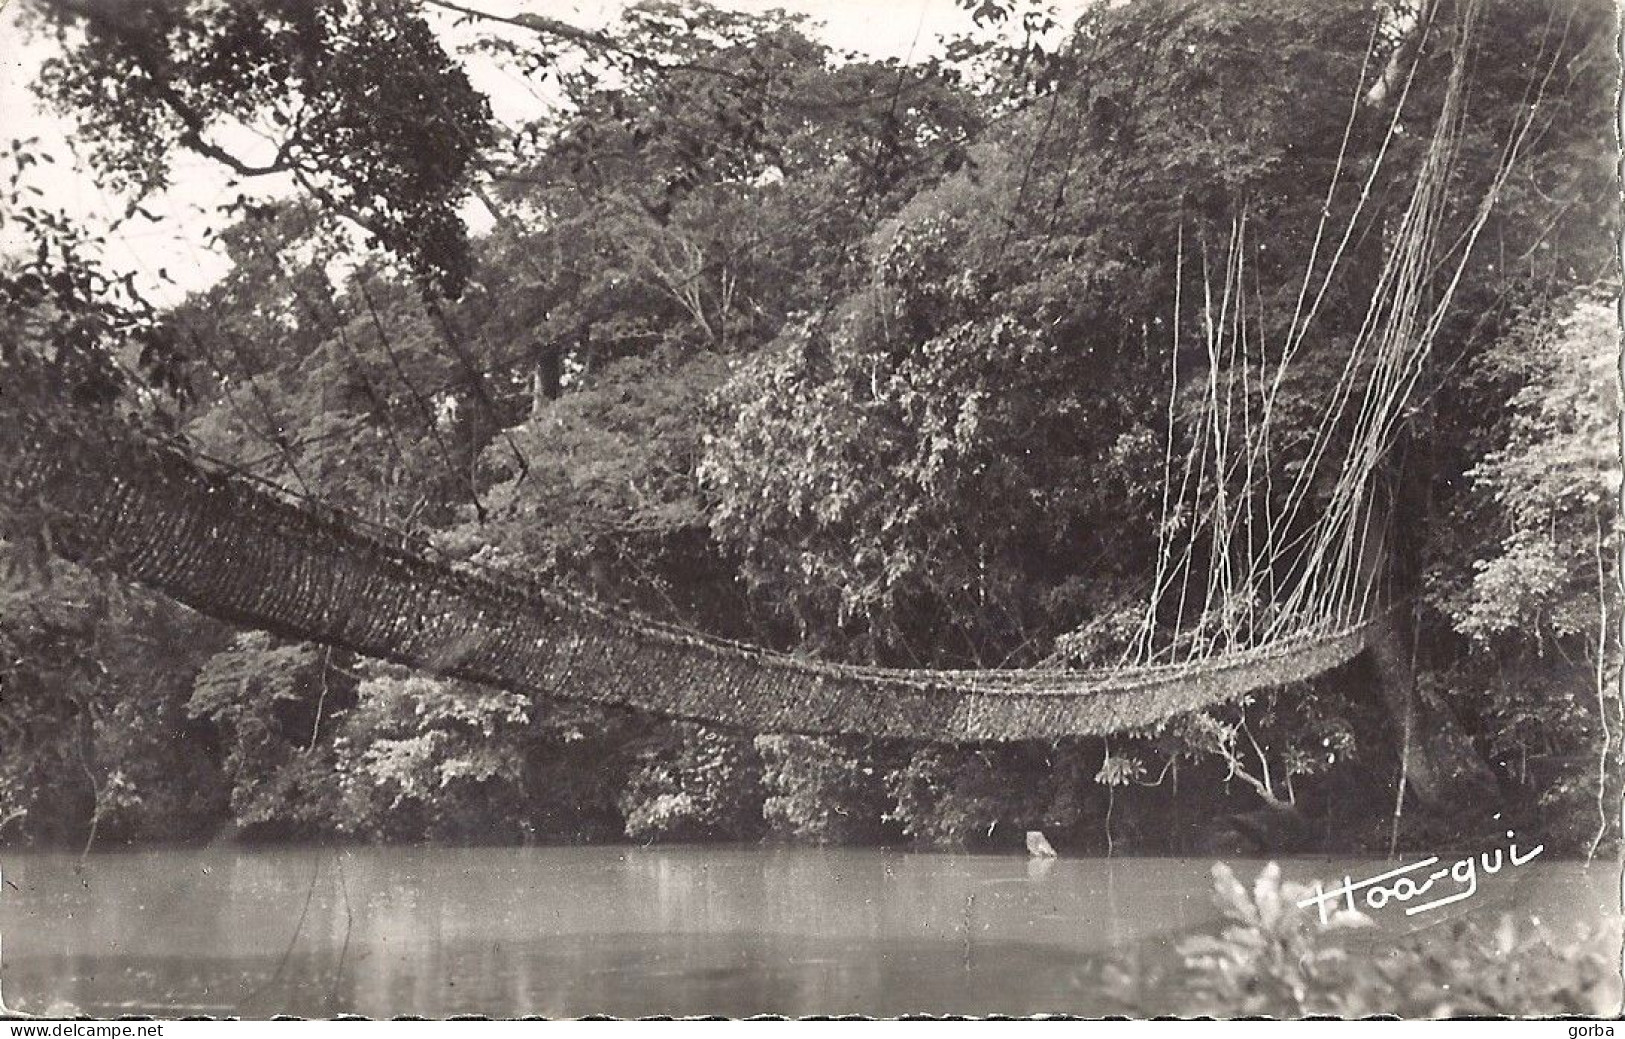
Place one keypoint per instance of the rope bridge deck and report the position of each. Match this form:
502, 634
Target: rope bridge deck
238, 551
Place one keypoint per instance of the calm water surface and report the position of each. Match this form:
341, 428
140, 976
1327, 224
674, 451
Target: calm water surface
625, 931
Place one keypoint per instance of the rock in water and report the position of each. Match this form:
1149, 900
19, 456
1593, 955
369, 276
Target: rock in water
1038, 845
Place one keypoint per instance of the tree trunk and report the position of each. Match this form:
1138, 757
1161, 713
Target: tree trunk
547, 376
1444, 769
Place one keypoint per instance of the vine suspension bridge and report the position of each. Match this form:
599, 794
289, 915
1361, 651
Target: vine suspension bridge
1260, 595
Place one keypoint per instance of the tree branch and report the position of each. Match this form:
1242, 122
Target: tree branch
544, 26
101, 17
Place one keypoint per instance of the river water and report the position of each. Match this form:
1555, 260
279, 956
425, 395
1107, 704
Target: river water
626, 931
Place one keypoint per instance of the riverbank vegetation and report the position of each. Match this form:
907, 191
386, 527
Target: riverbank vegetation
856, 358
1273, 958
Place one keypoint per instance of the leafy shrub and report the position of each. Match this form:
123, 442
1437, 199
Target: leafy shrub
157, 780
1545, 498
696, 782
443, 759
1273, 958
949, 796
974, 796
1276, 959
264, 697
94, 679
1525, 573
577, 760
820, 790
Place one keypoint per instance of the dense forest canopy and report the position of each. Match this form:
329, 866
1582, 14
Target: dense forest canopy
865, 359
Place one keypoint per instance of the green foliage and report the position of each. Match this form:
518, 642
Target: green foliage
1512, 968
72, 330
944, 797
264, 698
156, 780
696, 782
915, 472
364, 108
990, 795
608, 498
823, 791
923, 477
94, 680
1269, 741
578, 758
1537, 524
1272, 958
1120, 769
419, 757
1546, 494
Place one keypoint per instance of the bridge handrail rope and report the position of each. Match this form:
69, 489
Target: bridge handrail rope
643, 624
341, 521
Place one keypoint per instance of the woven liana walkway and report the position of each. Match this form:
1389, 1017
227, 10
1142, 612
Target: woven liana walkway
239, 551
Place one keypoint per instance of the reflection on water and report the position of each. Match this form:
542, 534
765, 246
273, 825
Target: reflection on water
622, 931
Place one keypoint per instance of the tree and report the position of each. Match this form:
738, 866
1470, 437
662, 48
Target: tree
1526, 569
363, 108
